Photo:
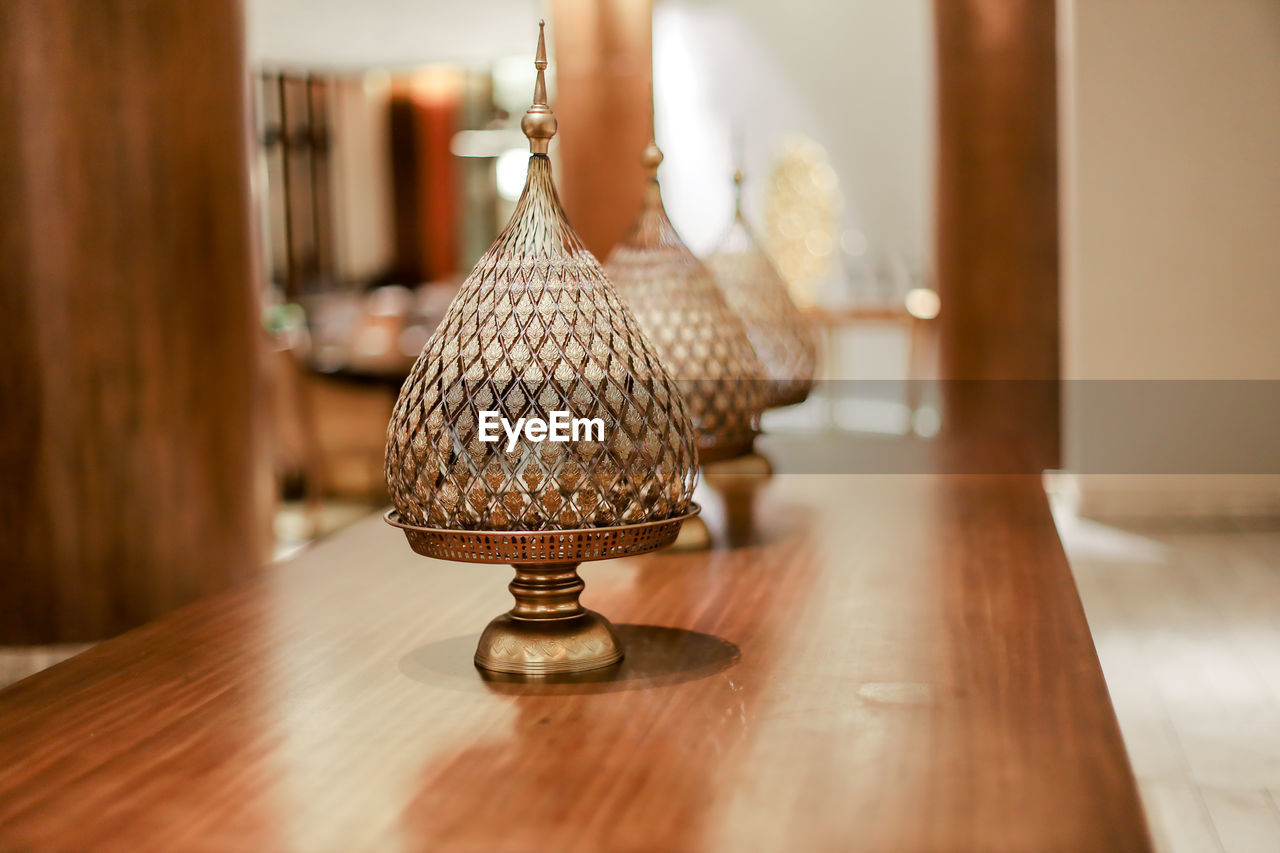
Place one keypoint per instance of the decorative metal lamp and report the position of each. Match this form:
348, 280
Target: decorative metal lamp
701, 341
783, 338
537, 329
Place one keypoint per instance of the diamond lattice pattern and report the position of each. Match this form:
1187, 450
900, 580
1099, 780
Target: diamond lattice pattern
782, 336
537, 328
701, 341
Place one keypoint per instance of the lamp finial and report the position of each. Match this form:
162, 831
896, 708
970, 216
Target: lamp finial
539, 124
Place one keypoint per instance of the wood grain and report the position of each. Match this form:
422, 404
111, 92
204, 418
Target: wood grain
893, 663
603, 66
129, 336
997, 219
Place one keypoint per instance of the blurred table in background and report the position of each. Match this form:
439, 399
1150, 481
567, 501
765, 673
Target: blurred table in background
885, 663
339, 361
831, 321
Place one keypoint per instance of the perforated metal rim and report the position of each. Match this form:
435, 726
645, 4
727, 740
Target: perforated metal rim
541, 546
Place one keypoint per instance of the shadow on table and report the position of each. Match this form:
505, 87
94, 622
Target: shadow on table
654, 657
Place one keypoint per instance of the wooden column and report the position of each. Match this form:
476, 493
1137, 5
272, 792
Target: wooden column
997, 219
427, 198
129, 331
437, 98
603, 64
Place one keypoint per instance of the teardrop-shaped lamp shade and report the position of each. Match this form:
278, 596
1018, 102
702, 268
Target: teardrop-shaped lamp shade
701, 341
782, 336
538, 328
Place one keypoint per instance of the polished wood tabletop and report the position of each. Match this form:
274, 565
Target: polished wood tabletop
888, 662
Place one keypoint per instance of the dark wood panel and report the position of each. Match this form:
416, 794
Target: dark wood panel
603, 63
128, 328
424, 117
997, 218
893, 663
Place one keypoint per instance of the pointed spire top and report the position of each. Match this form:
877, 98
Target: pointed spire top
540, 63
539, 124
738, 158
652, 159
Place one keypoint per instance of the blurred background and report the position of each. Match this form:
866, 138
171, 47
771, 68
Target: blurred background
231, 228
389, 156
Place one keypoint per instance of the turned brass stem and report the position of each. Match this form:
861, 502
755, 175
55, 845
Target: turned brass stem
546, 591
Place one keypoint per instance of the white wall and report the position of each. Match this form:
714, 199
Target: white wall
856, 75
356, 35
1170, 153
1171, 157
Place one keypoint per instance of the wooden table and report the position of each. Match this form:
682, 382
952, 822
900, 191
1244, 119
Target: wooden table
897, 663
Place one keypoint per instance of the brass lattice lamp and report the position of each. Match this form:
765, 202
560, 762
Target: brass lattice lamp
782, 336
701, 341
537, 331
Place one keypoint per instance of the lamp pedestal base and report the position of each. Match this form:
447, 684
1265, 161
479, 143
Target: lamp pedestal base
737, 481
547, 631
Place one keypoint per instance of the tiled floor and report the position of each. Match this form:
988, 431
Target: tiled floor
1187, 625
17, 662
